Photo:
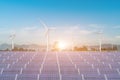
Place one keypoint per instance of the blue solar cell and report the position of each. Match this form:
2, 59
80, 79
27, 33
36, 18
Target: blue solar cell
8, 61
7, 77
49, 77
30, 71
114, 66
94, 77
69, 72
3, 65
71, 77
11, 71
88, 70
50, 72
27, 77
113, 77
108, 71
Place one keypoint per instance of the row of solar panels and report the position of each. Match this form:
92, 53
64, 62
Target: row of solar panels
57, 77
66, 65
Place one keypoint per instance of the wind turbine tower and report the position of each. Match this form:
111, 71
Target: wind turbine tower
100, 40
12, 37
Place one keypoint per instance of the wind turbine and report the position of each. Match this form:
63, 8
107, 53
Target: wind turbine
12, 37
47, 32
72, 33
100, 39
117, 39
75, 35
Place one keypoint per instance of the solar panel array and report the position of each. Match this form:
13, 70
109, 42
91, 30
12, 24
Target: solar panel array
59, 66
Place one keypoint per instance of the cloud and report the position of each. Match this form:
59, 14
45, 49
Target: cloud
30, 28
117, 27
97, 26
94, 25
85, 32
30, 31
74, 30
25, 34
118, 37
36, 34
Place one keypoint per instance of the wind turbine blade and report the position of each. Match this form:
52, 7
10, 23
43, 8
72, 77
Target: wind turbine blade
44, 25
46, 32
98, 32
12, 36
101, 31
52, 28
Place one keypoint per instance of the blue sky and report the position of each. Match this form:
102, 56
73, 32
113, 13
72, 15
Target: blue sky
23, 17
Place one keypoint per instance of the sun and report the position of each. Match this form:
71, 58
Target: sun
62, 45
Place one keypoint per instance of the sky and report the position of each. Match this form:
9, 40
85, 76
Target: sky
73, 20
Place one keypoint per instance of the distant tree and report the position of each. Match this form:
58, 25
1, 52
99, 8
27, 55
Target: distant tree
105, 49
15, 49
75, 48
84, 48
55, 46
93, 49
21, 49
115, 48
7, 49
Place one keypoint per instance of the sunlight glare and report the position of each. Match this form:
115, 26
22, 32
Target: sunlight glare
62, 45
